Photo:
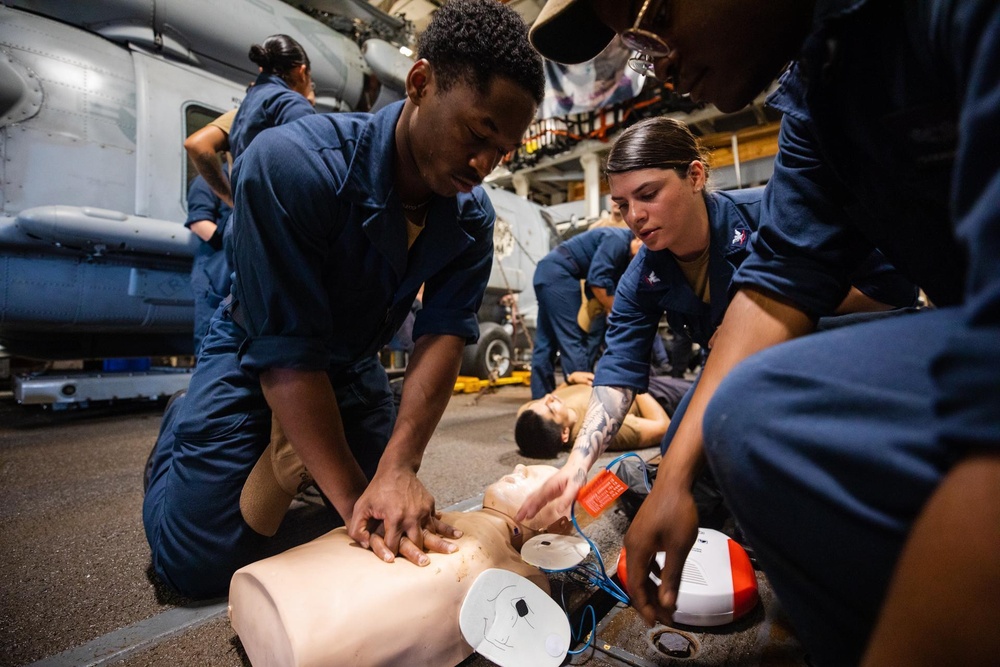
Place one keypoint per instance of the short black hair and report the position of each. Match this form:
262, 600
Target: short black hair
537, 437
476, 40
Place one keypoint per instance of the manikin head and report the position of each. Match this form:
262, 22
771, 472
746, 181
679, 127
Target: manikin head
544, 426
507, 494
658, 174
470, 95
719, 51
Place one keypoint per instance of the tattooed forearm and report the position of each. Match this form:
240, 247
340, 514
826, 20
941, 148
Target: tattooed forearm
607, 409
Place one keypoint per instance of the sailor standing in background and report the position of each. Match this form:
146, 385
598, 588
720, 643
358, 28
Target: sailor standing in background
210, 275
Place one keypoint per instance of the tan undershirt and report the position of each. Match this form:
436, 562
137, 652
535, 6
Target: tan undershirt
577, 397
225, 123
414, 228
696, 274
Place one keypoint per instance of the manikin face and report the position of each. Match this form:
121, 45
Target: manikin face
459, 135
508, 494
660, 207
722, 51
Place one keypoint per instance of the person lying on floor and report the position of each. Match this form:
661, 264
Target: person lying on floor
546, 426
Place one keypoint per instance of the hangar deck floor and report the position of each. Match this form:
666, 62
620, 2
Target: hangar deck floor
76, 588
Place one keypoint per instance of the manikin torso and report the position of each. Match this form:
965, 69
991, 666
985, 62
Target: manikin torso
330, 602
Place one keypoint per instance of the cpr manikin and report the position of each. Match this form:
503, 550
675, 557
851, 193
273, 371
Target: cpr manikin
328, 602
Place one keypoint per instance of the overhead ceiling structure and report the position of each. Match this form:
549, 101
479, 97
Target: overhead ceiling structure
419, 11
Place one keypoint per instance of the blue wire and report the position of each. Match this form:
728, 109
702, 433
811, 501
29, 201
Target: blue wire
645, 470
587, 573
604, 581
579, 633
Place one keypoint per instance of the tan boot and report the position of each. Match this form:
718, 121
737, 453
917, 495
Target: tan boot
272, 484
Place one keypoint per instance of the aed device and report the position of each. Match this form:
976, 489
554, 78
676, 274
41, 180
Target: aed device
718, 584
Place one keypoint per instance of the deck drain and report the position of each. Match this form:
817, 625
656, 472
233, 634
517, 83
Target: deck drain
674, 643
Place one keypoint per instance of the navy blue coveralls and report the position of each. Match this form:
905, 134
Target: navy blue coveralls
828, 447
598, 256
654, 285
210, 274
269, 102
322, 281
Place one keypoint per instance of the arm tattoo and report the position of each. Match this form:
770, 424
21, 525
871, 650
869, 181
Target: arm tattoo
607, 409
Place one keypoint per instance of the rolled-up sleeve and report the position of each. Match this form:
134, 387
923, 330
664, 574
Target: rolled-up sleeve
202, 203
802, 249
285, 213
877, 279
611, 255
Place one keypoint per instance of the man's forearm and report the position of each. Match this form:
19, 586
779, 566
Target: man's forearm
203, 229
753, 322
427, 388
306, 407
947, 579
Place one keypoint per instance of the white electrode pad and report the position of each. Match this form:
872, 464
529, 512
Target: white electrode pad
555, 552
513, 622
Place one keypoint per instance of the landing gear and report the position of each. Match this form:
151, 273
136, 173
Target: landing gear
492, 356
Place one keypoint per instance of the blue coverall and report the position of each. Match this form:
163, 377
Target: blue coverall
654, 285
322, 281
210, 274
598, 256
828, 447
269, 102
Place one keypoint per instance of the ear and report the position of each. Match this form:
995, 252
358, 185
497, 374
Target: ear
297, 74
696, 172
565, 434
418, 80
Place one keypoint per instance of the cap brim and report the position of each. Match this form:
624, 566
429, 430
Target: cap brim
569, 32
263, 502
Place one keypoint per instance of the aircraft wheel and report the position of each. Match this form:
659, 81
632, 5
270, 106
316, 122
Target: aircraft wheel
492, 355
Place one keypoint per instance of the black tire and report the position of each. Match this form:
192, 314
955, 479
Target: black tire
492, 354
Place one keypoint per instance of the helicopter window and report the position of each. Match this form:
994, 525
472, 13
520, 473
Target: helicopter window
195, 118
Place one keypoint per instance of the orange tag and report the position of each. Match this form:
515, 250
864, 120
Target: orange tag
600, 492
